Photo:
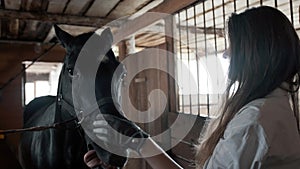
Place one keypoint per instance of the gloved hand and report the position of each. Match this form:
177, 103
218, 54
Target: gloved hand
121, 132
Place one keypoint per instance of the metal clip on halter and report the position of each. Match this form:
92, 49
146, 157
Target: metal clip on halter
80, 117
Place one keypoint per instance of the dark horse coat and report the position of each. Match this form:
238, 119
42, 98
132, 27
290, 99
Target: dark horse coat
65, 146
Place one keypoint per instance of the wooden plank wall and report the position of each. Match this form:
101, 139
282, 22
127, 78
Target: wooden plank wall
140, 87
11, 104
151, 79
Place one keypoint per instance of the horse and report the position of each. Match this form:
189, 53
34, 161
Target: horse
65, 145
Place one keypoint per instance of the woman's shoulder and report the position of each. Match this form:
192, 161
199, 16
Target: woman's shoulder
252, 107
250, 113
246, 121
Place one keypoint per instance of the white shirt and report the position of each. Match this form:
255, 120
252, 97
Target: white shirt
262, 135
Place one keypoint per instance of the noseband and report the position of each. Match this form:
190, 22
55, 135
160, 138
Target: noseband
83, 113
97, 106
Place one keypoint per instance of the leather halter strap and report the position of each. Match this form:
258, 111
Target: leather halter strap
100, 103
83, 113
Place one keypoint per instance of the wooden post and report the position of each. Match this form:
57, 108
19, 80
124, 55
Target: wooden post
122, 50
170, 47
130, 45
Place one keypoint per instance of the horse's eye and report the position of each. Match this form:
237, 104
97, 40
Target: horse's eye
70, 71
124, 75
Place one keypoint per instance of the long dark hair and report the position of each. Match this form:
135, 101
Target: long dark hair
264, 53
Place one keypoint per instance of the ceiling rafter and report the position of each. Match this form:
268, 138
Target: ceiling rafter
54, 18
168, 6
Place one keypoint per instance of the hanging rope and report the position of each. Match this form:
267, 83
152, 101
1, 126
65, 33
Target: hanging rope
25, 68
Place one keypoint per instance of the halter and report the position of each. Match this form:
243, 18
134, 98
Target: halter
100, 103
83, 114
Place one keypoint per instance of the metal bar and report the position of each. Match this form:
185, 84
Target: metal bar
216, 46
224, 21
197, 62
261, 2
205, 47
276, 4
247, 3
234, 5
188, 50
180, 52
292, 14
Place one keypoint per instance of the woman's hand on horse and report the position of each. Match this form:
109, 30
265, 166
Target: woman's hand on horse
116, 131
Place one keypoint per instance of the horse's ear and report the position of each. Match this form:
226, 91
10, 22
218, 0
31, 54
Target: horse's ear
64, 37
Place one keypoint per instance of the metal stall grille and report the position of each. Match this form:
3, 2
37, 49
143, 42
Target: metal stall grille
200, 41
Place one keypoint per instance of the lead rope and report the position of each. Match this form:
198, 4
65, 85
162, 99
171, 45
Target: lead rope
38, 128
295, 99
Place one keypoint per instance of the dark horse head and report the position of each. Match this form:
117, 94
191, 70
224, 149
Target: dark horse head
87, 84
65, 145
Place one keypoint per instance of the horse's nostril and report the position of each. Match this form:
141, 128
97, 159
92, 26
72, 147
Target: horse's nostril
90, 147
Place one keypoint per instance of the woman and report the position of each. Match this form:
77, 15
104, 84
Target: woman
257, 127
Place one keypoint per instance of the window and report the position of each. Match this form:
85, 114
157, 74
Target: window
41, 79
201, 41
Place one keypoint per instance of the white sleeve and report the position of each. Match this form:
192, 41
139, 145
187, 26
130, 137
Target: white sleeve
244, 144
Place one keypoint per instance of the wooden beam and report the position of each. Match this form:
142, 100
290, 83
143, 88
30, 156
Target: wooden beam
12, 4
122, 9
54, 18
172, 6
76, 7
160, 28
56, 6
101, 7
161, 12
146, 8
13, 53
168, 6
171, 62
